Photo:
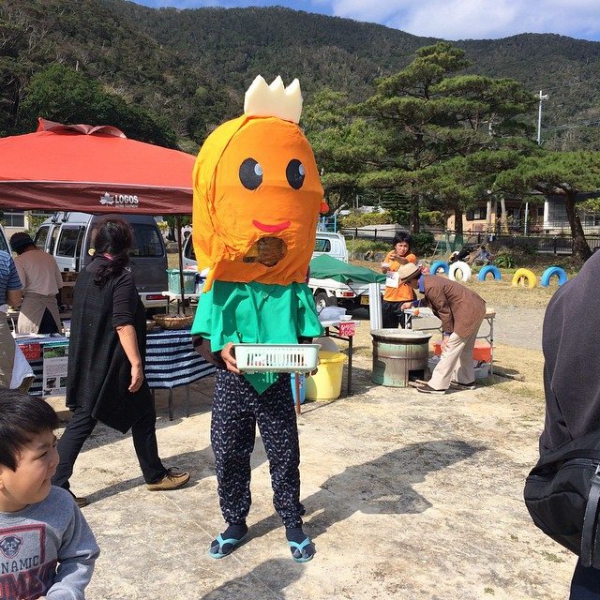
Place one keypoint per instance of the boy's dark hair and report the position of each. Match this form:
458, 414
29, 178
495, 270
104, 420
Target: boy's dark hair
402, 236
21, 418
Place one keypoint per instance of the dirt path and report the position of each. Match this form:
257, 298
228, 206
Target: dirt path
409, 497
519, 327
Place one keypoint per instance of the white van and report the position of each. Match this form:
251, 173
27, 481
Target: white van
66, 236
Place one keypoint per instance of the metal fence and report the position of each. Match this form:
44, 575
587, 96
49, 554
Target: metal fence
543, 243
375, 234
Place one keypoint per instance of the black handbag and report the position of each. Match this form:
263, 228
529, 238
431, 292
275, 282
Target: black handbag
562, 494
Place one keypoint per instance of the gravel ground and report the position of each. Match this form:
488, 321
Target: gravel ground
519, 327
407, 496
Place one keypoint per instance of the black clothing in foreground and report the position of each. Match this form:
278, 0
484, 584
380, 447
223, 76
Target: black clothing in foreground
572, 359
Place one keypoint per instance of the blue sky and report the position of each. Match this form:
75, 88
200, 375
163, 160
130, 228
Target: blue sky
445, 19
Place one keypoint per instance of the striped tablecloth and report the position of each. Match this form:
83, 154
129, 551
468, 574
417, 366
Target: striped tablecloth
170, 360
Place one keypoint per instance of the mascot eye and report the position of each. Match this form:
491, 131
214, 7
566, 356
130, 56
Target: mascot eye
251, 174
295, 173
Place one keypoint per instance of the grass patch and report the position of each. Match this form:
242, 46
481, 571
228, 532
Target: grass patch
551, 557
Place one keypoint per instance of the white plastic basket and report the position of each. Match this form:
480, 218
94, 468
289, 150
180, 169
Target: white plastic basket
277, 358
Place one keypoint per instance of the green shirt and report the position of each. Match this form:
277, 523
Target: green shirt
256, 313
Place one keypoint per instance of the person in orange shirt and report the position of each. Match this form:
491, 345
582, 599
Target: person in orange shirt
396, 293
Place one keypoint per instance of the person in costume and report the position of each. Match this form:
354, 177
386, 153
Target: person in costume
257, 198
396, 293
107, 349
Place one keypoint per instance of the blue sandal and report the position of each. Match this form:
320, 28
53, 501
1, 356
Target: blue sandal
303, 552
225, 547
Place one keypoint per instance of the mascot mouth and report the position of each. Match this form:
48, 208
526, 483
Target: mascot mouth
271, 228
268, 251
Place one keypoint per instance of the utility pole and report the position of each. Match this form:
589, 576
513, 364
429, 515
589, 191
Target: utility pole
539, 141
539, 127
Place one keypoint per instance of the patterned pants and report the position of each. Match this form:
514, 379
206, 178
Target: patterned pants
237, 408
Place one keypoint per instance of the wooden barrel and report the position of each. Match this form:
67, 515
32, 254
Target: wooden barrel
397, 353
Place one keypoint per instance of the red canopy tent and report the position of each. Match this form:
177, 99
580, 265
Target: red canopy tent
93, 169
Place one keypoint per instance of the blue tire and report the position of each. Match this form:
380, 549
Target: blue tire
551, 272
495, 271
437, 265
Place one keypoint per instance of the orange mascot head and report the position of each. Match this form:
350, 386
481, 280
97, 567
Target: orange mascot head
257, 193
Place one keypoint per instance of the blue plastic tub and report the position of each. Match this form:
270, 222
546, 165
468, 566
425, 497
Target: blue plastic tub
189, 281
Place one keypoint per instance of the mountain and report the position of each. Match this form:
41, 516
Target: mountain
192, 67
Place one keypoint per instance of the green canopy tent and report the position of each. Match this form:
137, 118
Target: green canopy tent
359, 280
326, 267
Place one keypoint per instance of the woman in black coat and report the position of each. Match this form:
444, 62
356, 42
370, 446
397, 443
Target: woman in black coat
105, 379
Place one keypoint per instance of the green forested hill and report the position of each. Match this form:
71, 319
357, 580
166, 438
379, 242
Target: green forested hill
566, 69
191, 67
101, 43
236, 44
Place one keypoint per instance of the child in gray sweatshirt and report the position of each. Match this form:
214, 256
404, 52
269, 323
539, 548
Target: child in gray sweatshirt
47, 549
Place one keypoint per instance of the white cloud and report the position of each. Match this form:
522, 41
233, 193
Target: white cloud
478, 19
446, 19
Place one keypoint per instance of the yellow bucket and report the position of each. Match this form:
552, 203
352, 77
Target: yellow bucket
327, 383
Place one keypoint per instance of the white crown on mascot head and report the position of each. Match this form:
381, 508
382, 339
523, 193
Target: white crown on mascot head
274, 100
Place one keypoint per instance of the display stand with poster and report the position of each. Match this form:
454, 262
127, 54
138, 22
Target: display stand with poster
171, 362
55, 358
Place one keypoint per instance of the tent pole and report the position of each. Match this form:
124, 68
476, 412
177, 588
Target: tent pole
180, 253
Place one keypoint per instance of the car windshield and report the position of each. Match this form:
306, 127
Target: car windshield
188, 250
146, 241
322, 245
